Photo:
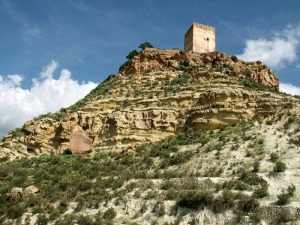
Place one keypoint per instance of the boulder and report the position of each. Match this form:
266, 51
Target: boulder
16, 192
31, 190
80, 143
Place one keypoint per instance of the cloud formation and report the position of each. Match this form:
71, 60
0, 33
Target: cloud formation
289, 88
46, 94
277, 51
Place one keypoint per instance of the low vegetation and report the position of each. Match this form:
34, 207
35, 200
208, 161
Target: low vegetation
250, 83
95, 180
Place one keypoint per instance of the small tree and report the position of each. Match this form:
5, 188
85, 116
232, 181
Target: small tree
234, 58
146, 44
132, 54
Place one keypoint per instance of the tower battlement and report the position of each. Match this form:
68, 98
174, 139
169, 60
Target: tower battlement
200, 38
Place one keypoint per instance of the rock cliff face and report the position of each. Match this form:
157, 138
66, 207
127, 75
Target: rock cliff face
155, 95
166, 60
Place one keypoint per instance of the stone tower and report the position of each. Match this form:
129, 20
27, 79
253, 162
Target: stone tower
200, 38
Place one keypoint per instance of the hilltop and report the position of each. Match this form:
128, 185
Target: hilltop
177, 138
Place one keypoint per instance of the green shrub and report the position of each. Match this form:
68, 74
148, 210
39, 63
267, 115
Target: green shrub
196, 200
256, 166
109, 214
18, 132
250, 178
262, 191
66, 220
274, 157
291, 190
180, 79
54, 214
132, 54
172, 194
42, 219
269, 122
234, 58
15, 211
123, 65
235, 185
176, 159
148, 84
80, 204
248, 204
285, 196
256, 216
224, 202
37, 210
33, 200
284, 216
279, 167
85, 220
250, 83
84, 185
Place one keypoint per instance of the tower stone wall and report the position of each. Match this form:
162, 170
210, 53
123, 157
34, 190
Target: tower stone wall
200, 38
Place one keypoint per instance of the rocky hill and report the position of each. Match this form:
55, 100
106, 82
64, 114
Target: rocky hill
155, 95
177, 138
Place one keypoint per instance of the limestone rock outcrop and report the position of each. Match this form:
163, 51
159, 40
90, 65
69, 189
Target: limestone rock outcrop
164, 60
17, 192
155, 95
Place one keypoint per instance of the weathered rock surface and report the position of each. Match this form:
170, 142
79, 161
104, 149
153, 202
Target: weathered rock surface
159, 93
80, 143
16, 192
163, 60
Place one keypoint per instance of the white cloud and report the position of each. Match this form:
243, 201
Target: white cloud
277, 51
47, 71
289, 89
16, 79
11, 80
47, 94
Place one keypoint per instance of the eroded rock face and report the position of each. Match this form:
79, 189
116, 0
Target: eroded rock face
163, 60
159, 93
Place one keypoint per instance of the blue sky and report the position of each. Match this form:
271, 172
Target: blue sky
46, 43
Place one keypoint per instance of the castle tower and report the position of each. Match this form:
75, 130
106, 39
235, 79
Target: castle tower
200, 38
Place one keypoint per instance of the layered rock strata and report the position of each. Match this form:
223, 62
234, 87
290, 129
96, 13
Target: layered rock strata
157, 94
